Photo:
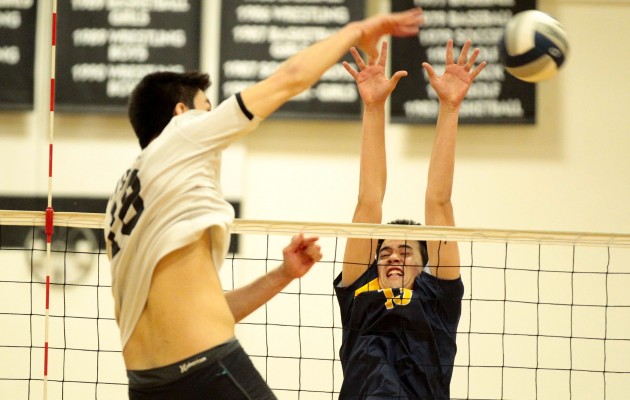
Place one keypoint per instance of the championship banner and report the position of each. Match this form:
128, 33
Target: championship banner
495, 97
17, 54
105, 47
258, 35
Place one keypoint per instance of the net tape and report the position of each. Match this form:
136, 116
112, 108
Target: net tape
356, 230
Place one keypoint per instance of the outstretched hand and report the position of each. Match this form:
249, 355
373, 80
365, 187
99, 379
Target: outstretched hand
453, 85
373, 85
400, 24
300, 255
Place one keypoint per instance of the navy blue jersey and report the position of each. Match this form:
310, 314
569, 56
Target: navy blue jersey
398, 343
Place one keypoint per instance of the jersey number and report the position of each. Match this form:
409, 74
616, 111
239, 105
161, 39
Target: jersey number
398, 297
129, 186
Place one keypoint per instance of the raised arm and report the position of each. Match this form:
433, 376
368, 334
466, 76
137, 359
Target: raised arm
304, 69
374, 88
451, 89
299, 256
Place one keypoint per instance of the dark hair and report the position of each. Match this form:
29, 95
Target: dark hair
422, 245
153, 99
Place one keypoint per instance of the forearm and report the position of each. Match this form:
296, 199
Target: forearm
299, 72
442, 163
373, 164
307, 66
245, 300
372, 182
438, 206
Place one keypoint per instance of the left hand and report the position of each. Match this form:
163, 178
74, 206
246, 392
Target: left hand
300, 255
453, 85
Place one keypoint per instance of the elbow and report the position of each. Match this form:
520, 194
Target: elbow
438, 204
368, 212
293, 79
440, 198
371, 198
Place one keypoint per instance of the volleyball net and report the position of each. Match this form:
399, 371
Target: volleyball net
545, 315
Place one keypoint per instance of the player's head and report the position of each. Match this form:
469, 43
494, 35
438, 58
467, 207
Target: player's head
153, 101
399, 262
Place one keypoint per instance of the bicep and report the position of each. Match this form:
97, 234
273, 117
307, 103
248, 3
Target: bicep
214, 130
265, 97
356, 259
444, 257
359, 253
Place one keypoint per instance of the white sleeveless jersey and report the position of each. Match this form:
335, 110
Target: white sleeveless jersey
167, 198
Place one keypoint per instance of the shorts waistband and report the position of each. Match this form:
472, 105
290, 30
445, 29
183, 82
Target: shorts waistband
172, 372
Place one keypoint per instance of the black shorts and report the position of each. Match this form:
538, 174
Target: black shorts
223, 372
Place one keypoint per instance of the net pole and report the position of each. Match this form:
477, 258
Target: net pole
49, 209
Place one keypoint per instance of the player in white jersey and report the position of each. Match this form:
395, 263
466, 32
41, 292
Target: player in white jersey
168, 224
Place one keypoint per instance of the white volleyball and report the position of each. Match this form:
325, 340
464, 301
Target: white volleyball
534, 46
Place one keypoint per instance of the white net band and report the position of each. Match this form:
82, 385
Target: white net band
412, 232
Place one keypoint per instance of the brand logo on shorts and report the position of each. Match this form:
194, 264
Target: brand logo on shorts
185, 367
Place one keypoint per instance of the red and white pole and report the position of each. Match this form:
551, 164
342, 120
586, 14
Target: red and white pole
49, 209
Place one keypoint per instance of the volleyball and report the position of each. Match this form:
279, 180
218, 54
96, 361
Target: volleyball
534, 46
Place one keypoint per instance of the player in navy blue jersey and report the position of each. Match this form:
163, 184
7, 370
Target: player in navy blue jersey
400, 300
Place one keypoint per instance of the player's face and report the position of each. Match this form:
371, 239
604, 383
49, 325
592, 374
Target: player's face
201, 102
399, 263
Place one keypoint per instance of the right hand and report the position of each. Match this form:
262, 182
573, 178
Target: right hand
373, 85
400, 24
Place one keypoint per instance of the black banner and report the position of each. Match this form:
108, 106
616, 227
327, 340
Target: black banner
105, 47
17, 54
17, 236
495, 96
258, 35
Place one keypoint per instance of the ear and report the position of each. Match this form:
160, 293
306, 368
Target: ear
180, 108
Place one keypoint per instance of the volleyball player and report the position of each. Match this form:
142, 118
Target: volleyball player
168, 224
399, 323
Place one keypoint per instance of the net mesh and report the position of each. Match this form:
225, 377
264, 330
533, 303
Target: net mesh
545, 315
